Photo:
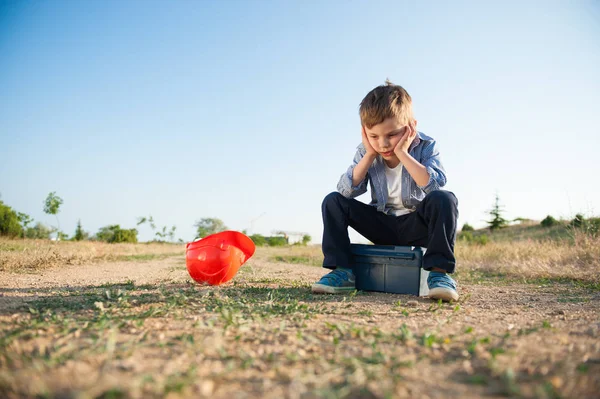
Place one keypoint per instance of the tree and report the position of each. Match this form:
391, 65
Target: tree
142, 220
24, 219
60, 236
79, 233
161, 234
208, 226
151, 222
172, 233
497, 221
52, 206
306, 239
9, 222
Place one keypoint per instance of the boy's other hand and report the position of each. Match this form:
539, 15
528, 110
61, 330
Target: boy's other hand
365, 140
406, 139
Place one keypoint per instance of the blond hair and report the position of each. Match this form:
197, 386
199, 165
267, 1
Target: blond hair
386, 101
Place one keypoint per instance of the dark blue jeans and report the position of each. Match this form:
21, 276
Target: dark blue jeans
431, 225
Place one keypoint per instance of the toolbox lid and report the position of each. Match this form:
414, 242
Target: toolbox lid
387, 251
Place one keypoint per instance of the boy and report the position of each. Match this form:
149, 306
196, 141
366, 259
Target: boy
404, 170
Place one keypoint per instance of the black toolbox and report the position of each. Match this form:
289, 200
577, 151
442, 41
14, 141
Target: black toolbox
388, 268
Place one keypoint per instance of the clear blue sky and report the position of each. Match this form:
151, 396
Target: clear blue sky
237, 109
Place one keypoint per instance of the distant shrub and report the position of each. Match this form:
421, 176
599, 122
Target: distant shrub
126, 235
259, 240
465, 236
62, 236
276, 241
208, 226
593, 226
9, 222
306, 239
115, 234
482, 239
578, 220
467, 227
39, 231
549, 221
469, 238
80, 234
589, 226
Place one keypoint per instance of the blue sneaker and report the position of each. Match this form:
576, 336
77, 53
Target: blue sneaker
442, 286
339, 281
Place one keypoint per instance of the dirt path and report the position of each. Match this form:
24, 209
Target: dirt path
278, 340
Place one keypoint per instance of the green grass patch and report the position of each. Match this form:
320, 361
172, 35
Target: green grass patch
294, 259
147, 257
592, 285
492, 277
559, 232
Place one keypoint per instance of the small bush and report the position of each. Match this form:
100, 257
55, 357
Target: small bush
39, 231
276, 241
589, 226
549, 221
126, 235
9, 222
468, 237
306, 239
259, 240
482, 239
578, 220
115, 234
465, 236
467, 227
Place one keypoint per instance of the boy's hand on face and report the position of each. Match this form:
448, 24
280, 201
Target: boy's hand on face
370, 150
406, 139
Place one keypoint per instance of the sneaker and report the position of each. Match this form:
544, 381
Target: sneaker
442, 286
339, 281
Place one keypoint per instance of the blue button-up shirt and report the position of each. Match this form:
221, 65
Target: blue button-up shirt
423, 149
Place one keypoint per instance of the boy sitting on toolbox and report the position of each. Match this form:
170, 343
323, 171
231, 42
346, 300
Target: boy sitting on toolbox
405, 172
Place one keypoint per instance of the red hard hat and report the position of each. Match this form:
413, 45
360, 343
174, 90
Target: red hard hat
215, 259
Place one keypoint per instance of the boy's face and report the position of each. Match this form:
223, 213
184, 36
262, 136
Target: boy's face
385, 136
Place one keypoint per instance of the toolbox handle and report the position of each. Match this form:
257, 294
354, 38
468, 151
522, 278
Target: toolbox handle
403, 255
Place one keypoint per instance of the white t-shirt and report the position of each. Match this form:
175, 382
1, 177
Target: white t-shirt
394, 186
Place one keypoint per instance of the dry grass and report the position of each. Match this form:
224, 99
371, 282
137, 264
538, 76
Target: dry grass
32, 255
308, 255
577, 259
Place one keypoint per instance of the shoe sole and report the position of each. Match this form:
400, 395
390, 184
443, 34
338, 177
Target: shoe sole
445, 294
326, 289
